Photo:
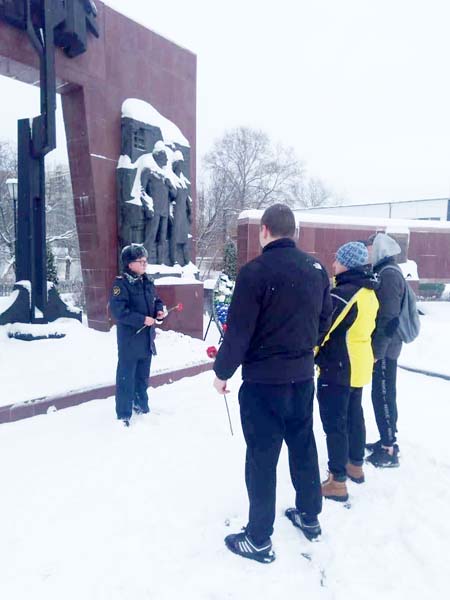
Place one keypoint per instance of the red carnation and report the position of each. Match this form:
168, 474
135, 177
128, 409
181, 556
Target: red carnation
211, 352
179, 307
224, 327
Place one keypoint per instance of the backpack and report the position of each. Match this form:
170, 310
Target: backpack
408, 319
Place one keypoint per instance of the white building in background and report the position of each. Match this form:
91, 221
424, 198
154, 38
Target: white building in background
428, 210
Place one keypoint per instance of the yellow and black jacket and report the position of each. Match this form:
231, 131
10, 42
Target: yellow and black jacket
345, 355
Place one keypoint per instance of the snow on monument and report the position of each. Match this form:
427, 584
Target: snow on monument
154, 202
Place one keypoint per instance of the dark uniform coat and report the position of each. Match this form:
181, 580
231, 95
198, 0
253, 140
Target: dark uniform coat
132, 299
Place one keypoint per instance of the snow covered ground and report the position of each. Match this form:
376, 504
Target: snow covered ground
431, 351
84, 358
93, 511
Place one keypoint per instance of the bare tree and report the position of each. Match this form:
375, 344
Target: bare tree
60, 214
8, 169
312, 192
245, 170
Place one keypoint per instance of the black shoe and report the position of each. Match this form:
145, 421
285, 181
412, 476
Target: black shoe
371, 447
376, 445
242, 544
139, 410
125, 422
381, 458
310, 526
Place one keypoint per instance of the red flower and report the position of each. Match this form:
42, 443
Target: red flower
224, 327
211, 352
179, 307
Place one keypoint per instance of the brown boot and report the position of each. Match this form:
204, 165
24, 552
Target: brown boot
355, 473
334, 490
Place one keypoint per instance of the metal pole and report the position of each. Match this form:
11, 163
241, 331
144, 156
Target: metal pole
228, 413
15, 222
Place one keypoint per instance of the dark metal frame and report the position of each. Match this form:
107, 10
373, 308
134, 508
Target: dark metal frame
48, 23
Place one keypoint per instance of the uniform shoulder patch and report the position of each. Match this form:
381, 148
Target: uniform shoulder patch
116, 290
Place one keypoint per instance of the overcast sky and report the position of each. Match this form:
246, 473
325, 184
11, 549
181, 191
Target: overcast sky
359, 88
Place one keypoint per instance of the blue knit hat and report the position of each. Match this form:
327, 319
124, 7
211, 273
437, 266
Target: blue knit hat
353, 254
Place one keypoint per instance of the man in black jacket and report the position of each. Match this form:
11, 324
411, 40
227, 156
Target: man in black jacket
135, 306
281, 307
387, 345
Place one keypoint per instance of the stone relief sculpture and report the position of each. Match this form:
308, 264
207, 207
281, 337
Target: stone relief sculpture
181, 214
154, 204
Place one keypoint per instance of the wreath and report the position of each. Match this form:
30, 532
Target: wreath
222, 294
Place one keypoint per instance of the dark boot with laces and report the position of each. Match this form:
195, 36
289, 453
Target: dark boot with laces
242, 544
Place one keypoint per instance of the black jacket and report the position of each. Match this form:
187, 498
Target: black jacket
281, 306
132, 299
386, 341
346, 357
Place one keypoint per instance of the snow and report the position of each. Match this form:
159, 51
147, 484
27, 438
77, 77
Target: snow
430, 352
398, 225
7, 301
176, 275
209, 284
164, 269
409, 270
102, 157
142, 111
177, 281
190, 269
38, 314
25, 284
84, 358
146, 161
97, 512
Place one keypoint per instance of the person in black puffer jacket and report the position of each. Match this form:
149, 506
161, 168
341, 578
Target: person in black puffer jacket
135, 306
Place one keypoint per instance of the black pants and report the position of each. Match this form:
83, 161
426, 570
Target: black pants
269, 415
384, 399
343, 422
131, 385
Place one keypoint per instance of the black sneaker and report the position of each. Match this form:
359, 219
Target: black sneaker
138, 410
242, 544
310, 526
372, 447
381, 458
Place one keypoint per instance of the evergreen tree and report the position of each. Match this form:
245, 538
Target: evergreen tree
230, 260
52, 273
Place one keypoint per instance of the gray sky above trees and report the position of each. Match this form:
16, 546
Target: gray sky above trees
359, 88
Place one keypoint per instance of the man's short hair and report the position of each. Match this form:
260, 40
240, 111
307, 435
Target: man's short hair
279, 220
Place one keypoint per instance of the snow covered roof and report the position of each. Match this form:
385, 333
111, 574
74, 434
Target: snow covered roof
364, 222
379, 203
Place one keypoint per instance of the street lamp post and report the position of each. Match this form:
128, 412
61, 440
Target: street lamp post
12, 185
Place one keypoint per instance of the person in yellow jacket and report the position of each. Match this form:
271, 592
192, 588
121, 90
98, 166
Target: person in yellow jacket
345, 360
